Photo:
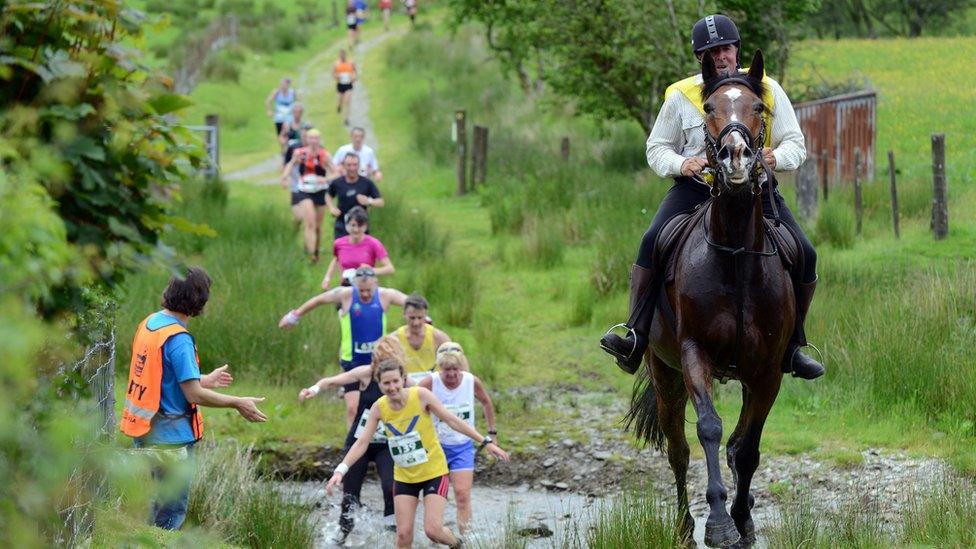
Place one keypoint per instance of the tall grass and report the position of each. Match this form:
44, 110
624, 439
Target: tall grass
451, 287
636, 520
228, 497
407, 231
258, 274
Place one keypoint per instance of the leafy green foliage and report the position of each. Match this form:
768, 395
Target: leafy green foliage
86, 121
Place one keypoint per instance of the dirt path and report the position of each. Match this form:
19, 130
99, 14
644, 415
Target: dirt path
315, 80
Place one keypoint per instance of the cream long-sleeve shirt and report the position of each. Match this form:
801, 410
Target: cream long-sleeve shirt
677, 134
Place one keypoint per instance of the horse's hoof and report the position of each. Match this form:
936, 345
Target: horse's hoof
721, 533
748, 532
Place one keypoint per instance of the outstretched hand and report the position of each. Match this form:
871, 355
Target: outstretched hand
334, 481
305, 394
217, 379
288, 321
248, 408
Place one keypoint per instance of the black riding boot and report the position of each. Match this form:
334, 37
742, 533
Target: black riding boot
629, 351
795, 361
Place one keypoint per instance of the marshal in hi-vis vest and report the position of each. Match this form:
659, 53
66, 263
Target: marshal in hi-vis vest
691, 88
146, 380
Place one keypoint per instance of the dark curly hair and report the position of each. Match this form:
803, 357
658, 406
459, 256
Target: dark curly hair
188, 294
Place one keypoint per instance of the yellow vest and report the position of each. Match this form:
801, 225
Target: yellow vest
412, 439
691, 88
420, 360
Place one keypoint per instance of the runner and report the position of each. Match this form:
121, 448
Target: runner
457, 388
350, 190
377, 452
386, 6
411, 11
290, 136
419, 339
283, 96
362, 321
352, 23
308, 171
368, 165
344, 72
361, 8
419, 465
357, 249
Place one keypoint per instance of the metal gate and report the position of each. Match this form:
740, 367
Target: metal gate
834, 127
211, 143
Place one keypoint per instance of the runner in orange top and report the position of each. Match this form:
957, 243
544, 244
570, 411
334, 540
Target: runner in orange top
344, 72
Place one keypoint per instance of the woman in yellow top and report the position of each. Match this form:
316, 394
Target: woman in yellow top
419, 339
419, 465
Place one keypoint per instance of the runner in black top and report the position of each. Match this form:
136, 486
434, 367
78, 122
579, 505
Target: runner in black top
377, 452
349, 191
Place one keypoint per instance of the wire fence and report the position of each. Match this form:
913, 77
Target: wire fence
93, 380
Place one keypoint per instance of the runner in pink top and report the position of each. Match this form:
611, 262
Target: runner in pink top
357, 249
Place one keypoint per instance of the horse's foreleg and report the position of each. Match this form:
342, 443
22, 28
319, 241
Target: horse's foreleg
736, 437
671, 399
746, 458
720, 531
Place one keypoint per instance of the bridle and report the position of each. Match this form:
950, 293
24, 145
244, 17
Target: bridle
759, 172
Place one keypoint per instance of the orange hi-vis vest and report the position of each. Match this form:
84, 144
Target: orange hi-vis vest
146, 381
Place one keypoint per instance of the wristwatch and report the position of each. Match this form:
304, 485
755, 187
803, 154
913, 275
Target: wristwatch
485, 442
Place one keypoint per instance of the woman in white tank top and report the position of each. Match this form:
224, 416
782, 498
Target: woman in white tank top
457, 389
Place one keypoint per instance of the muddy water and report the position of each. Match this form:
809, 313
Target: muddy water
497, 510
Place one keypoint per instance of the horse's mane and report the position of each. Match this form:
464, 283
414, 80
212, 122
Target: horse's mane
755, 85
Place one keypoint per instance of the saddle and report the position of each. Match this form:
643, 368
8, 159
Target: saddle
679, 227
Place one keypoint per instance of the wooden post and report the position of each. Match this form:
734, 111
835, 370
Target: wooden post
806, 189
564, 149
894, 193
479, 156
213, 143
462, 151
825, 163
858, 210
940, 205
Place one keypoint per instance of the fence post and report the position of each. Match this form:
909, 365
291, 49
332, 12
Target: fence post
462, 151
213, 143
858, 210
824, 171
479, 156
564, 149
940, 205
806, 189
894, 192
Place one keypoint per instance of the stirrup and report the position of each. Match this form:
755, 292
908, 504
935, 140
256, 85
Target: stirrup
630, 332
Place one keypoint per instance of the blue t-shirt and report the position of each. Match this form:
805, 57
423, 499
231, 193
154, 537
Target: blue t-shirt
179, 365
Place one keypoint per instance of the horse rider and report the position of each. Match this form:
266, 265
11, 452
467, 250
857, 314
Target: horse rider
676, 148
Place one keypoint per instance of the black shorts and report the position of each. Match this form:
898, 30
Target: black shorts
352, 26
343, 88
436, 485
346, 366
317, 198
278, 126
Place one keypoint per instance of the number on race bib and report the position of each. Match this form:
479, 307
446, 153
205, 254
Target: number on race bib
378, 436
407, 450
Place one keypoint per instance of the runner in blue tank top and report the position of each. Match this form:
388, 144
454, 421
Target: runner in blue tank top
362, 318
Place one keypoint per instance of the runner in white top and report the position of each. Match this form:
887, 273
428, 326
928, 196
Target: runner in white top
457, 389
368, 165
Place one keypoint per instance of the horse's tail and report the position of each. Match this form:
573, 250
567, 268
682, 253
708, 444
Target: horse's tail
642, 417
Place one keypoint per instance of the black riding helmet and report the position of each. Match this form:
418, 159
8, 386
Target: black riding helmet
714, 30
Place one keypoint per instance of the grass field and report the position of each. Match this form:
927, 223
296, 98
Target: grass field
544, 249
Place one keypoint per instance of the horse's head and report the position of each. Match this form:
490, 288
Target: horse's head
734, 125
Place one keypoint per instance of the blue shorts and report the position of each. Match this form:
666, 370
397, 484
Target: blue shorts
460, 457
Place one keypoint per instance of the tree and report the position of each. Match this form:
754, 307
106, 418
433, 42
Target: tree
90, 125
615, 58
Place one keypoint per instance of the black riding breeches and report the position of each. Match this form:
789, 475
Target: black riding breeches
352, 483
685, 194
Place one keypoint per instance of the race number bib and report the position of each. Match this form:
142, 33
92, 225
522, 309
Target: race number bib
345, 78
378, 436
312, 183
407, 450
417, 377
464, 412
351, 19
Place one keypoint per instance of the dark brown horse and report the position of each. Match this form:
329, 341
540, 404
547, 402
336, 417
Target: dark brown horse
733, 313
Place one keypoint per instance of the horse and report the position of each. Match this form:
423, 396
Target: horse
732, 311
